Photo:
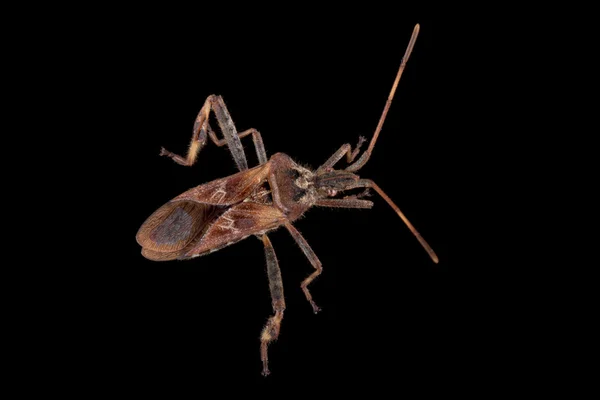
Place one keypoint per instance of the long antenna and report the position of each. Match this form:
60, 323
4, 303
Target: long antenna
365, 156
410, 226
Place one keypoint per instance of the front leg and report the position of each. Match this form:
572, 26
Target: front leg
346, 150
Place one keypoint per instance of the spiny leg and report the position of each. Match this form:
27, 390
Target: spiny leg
349, 202
199, 136
201, 127
271, 330
314, 260
256, 138
231, 137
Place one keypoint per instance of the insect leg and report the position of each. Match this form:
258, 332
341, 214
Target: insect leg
271, 330
256, 138
232, 138
314, 260
350, 202
198, 137
346, 149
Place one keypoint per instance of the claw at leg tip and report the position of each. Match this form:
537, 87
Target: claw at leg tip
316, 308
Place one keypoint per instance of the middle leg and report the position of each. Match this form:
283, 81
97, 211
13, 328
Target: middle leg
314, 260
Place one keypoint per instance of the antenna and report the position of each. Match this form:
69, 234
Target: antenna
365, 156
410, 226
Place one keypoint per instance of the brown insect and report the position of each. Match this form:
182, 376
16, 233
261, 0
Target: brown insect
255, 201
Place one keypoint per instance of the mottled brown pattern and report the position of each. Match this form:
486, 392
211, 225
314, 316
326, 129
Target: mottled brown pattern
230, 190
173, 226
238, 222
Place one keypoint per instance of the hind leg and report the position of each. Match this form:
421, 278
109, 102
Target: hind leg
203, 130
271, 329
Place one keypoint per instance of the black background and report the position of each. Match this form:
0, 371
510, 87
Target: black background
309, 81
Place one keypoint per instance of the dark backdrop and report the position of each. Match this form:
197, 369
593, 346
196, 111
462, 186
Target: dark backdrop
309, 82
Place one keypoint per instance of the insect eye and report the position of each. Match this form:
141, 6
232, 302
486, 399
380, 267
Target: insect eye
292, 173
331, 192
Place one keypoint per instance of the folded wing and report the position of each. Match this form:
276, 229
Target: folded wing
238, 222
174, 226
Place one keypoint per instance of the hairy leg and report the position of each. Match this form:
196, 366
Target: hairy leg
271, 329
314, 260
202, 130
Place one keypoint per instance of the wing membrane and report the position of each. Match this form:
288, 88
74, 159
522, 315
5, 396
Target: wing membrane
173, 226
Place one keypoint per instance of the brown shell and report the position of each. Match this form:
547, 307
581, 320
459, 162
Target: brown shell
238, 222
172, 227
191, 220
229, 190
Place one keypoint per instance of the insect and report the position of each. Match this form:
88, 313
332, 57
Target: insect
258, 200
